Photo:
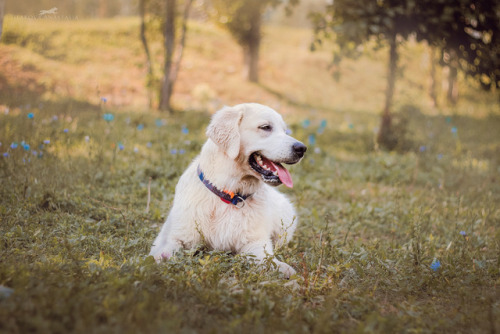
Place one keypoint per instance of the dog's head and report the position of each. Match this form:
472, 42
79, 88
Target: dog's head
256, 136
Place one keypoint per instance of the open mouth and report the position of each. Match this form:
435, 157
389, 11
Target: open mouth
271, 172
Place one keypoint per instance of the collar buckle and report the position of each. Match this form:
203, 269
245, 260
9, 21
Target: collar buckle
239, 202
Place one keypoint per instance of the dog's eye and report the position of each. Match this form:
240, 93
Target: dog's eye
266, 127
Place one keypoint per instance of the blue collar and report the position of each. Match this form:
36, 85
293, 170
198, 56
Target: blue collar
226, 196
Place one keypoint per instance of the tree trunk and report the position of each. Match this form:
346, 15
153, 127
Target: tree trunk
103, 8
142, 13
169, 40
386, 136
452, 79
252, 47
434, 86
2, 7
182, 42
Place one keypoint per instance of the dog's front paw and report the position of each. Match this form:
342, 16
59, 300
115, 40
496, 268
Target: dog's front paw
159, 257
286, 269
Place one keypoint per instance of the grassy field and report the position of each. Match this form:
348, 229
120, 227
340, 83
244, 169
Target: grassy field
404, 242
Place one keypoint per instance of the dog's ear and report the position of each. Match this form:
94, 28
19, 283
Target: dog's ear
224, 130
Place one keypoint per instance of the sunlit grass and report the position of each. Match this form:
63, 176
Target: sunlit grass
75, 233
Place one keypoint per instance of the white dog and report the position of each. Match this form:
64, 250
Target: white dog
225, 197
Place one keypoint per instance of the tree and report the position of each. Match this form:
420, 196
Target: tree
353, 23
243, 19
149, 65
166, 13
466, 32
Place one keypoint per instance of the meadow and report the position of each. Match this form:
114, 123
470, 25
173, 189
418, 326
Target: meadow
388, 242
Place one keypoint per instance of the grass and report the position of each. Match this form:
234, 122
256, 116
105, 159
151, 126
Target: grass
74, 231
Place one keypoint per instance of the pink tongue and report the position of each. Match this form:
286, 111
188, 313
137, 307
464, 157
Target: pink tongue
284, 175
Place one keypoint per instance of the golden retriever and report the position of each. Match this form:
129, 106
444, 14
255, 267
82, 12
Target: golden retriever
227, 196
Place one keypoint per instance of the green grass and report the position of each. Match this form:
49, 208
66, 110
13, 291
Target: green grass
74, 231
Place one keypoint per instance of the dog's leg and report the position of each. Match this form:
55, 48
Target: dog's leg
164, 251
263, 249
165, 245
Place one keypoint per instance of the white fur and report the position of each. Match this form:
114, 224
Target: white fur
197, 214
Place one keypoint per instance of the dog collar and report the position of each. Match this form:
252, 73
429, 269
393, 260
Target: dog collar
226, 196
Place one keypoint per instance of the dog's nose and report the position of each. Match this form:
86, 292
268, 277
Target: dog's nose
299, 149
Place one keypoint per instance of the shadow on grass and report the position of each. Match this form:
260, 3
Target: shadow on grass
291, 101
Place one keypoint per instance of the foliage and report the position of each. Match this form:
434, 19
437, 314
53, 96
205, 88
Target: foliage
238, 16
243, 19
470, 29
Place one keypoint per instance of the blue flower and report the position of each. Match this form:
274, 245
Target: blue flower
65, 130
480, 264
173, 151
463, 233
351, 126
159, 123
435, 265
108, 117
13, 145
26, 147
46, 141
35, 153
422, 148
182, 151
312, 139
323, 124
121, 147
140, 127
454, 129
104, 100
31, 115
185, 130
306, 123
6, 154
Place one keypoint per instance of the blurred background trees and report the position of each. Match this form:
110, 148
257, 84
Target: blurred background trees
164, 15
243, 19
462, 35
80, 8
466, 32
